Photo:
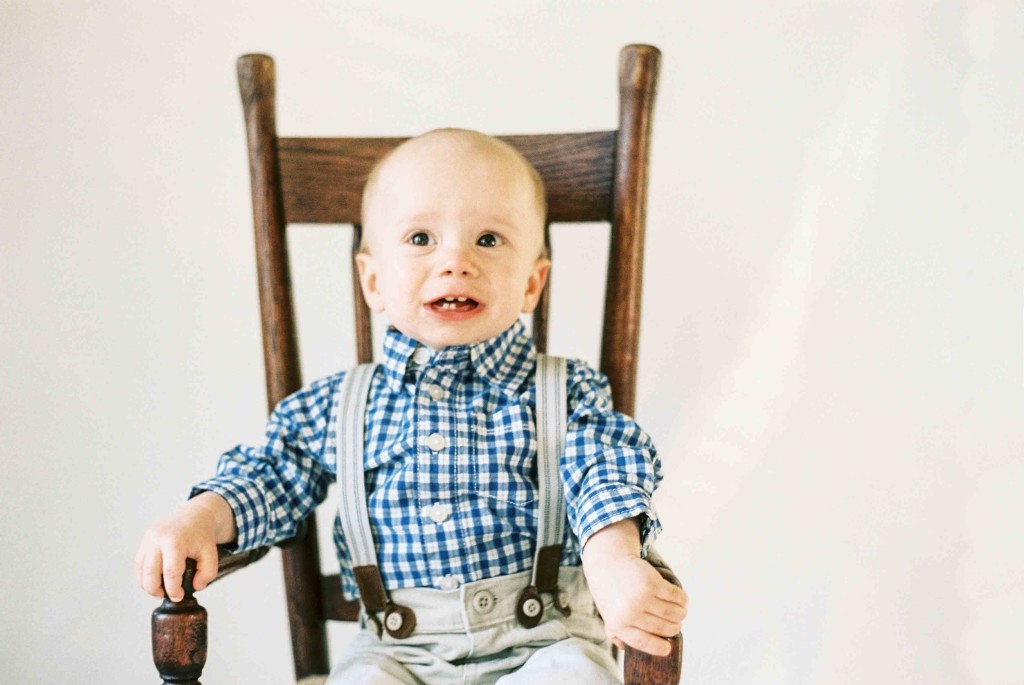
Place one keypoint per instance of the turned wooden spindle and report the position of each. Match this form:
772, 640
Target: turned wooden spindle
179, 635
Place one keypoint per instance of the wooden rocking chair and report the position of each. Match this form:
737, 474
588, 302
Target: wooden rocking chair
590, 177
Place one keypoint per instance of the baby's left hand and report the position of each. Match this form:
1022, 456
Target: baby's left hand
639, 607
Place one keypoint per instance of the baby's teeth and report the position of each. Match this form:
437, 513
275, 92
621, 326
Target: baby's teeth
462, 299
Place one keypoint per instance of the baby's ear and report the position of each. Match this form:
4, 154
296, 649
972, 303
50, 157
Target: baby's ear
535, 284
367, 266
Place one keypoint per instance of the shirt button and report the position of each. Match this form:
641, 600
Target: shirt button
435, 441
436, 391
483, 601
449, 583
421, 355
439, 512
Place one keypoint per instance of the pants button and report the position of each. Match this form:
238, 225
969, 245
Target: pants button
484, 601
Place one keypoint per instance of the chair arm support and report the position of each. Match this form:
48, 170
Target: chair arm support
641, 668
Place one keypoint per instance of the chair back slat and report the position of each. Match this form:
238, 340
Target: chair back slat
323, 178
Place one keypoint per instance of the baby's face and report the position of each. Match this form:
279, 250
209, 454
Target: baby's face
454, 238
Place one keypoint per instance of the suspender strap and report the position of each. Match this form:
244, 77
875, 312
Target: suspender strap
551, 410
350, 405
551, 427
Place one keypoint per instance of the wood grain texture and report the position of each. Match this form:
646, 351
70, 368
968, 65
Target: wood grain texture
638, 76
323, 178
179, 635
301, 561
640, 668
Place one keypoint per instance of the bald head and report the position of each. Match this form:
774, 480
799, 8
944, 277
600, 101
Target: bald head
447, 151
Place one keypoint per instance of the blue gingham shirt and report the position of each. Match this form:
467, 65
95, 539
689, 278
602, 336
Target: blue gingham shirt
466, 511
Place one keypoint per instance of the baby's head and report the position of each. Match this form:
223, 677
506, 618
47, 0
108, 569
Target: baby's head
453, 237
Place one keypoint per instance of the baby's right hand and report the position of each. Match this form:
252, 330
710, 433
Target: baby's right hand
190, 532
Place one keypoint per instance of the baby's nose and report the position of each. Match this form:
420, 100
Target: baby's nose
457, 261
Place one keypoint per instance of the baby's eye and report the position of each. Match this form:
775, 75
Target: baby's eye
420, 239
488, 240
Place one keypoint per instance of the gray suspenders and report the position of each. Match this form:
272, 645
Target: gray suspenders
551, 426
400, 621
350, 405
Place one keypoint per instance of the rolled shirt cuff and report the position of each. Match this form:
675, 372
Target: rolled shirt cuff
613, 502
249, 503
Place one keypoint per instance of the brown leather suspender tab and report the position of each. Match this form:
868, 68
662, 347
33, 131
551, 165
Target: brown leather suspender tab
371, 588
548, 559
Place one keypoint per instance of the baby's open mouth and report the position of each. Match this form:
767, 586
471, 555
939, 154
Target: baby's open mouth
455, 304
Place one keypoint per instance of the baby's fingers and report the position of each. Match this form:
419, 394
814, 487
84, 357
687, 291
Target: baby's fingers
673, 594
645, 642
173, 570
656, 625
206, 567
666, 610
151, 573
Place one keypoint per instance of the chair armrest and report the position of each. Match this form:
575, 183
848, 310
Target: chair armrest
228, 562
641, 668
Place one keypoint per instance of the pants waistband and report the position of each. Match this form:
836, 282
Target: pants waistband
487, 602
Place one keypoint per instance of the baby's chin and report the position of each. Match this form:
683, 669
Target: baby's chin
455, 338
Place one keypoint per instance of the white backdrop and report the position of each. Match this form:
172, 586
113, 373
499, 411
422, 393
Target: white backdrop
831, 338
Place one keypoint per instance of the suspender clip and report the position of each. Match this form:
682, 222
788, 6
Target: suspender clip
529, 608
399, 620
561, 602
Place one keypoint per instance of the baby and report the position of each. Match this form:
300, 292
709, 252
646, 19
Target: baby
453, 253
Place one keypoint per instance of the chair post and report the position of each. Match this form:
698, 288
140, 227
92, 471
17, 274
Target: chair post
179, 635
280, 348
638, 77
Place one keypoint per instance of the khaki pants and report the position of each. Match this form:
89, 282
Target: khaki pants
470, 635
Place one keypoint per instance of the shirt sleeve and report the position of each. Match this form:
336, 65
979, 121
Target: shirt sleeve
272, 487
610, 466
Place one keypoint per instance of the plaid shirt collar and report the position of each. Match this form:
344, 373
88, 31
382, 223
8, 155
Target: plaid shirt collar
505, 361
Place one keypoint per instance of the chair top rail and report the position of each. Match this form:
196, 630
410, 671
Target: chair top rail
322, 178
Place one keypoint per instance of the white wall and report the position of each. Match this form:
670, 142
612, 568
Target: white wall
831, 356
